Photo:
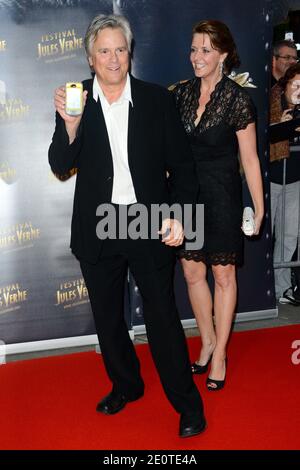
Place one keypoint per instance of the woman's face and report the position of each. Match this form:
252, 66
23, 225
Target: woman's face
292, 91
205, 60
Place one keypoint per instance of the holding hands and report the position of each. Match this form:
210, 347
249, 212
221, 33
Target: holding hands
172, 232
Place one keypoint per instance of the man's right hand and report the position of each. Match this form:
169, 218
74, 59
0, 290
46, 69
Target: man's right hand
71, 122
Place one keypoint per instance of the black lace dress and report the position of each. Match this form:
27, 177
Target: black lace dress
215, 149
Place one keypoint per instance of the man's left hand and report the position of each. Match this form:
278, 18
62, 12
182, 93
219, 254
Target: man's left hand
172, 232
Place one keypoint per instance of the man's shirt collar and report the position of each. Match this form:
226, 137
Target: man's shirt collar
126, 94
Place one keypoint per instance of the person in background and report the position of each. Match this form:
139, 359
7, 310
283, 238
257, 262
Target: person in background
284, 55
123, 145
219, 119
285, 96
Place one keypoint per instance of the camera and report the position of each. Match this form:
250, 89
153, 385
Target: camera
296, 112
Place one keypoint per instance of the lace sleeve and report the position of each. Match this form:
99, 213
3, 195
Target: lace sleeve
243, 110
185, 95
178, 91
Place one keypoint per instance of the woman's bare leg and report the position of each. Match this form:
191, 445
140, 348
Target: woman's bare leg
201, 301
224, 307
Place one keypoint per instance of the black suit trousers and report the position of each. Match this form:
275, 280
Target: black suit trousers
105, 282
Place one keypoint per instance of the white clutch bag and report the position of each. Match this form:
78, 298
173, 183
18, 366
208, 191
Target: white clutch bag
248, 225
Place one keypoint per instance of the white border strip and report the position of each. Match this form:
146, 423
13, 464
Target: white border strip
50, 344
240, 317
90, 340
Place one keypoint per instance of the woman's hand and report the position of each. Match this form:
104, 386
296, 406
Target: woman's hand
286, 115
258, 218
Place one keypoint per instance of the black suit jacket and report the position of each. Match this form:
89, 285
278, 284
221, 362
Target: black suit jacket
157, 144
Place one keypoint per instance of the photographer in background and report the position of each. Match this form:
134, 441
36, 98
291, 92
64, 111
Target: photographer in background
284, 106
284, 55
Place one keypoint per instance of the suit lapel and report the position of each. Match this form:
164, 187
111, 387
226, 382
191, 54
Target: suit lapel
133, 122
98, 120
99, 132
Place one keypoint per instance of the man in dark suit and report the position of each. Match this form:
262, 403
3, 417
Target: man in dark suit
124, 143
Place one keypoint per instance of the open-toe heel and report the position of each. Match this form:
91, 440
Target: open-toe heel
198, 369
215, 385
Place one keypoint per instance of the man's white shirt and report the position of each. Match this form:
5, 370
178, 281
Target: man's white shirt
116, 120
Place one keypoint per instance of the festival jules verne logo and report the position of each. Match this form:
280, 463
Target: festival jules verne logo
12, 108
2, 45
7, 173
12, 297
59, 45
72, 293
18, 236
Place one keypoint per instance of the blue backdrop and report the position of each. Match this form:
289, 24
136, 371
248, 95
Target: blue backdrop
42, 293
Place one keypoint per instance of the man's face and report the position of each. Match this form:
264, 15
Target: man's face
109, 57
286, 57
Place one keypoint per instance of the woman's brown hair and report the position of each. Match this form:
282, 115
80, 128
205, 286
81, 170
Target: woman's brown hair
221, 39
291, 72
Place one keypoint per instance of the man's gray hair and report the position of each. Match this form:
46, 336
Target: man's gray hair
101, 22
283, 43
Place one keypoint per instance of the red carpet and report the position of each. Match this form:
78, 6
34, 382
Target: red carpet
50, 403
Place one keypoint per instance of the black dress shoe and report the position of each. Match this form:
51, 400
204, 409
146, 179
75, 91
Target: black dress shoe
114, 402
191, 424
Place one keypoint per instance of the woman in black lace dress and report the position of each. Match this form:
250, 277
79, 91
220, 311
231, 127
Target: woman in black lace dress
218, 117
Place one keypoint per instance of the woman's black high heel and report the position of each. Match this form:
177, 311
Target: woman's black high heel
198, 369
216, 384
